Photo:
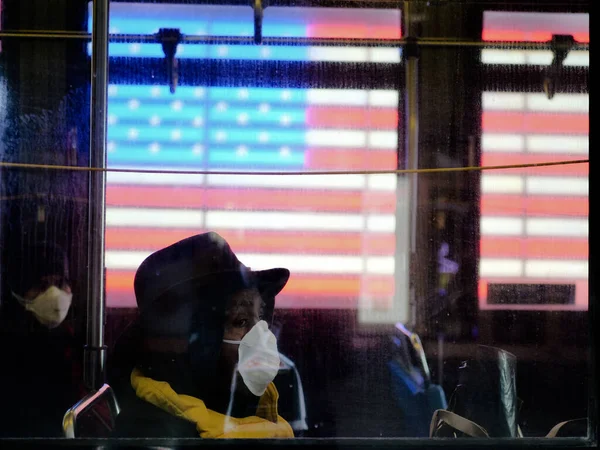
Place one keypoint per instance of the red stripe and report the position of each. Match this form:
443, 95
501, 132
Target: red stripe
534, 248
352, 30
250, 199
332, 159
119, 286
514, 122
508, 205
373, 118
258, 241
530, 36
499, 159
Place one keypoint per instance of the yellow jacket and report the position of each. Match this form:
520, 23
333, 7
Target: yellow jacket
210, 424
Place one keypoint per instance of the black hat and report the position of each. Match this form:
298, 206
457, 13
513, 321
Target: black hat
32, 261
196, 272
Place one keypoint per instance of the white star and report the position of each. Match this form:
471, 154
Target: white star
134, 49
154, 120
263, 136
242, 119
284, 151
112, 119
221, 106
222, 50
243, 94
197, 149
265, 52
176, 135
199, 92
221, 136
134, 104
133, 134
198, 121
264, 108
242, 150
286, 95
112, 90
285, 120
113, 30
154, 147
155, 91
177, 105
111, 147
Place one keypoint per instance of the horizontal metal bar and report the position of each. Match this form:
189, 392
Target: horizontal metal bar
292, 41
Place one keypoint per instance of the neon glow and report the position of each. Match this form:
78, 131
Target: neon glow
534, 221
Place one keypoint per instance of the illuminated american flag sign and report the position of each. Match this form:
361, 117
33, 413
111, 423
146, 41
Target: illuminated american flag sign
336, 233
534, 224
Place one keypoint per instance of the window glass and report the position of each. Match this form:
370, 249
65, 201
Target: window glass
261, 264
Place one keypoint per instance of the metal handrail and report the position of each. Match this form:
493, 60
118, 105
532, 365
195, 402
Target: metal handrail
70, 417
293, 41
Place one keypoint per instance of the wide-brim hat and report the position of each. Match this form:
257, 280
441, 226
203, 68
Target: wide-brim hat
199, 271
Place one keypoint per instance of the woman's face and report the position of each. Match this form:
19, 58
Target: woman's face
245, 309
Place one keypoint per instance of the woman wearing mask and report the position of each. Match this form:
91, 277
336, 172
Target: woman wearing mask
40, 370
204, 358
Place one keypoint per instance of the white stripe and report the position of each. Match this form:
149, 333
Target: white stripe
557, 185
497, 56
381, 222
284, 221
501, 184
383, 139
339, 54
559, 103
577, 58
336, 138
501, 226
498, 267
385, 55
290, 181
169, 218
337, 97
531, 57
383, 98
511, 101
541, 226
116, 259
541, 268
382, 182
131, 260
539, 57
503, 101
491, 142
381, 265
153, 178
578, 145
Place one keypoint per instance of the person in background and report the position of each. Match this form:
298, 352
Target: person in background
204, 357
40, 371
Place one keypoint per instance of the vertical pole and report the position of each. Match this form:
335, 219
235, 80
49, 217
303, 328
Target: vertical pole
411, 142
95, 350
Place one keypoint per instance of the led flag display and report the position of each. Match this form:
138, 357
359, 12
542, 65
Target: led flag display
534, 221
336, 233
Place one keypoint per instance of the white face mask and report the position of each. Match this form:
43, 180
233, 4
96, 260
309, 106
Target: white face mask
50, 307
258, 358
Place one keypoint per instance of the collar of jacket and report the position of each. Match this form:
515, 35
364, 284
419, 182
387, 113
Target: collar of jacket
210, 424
